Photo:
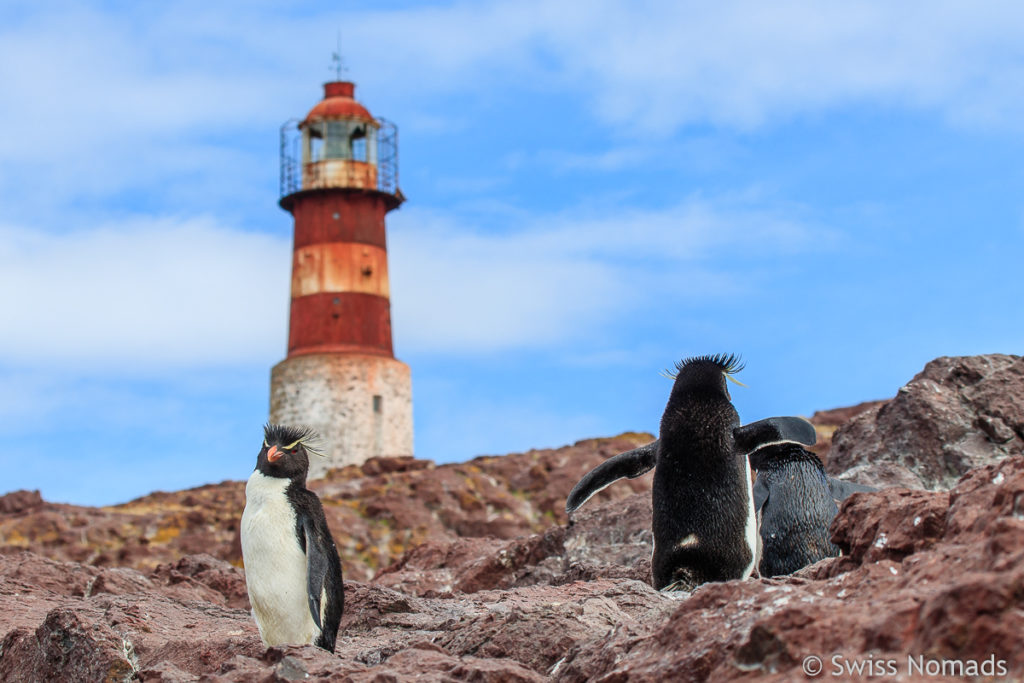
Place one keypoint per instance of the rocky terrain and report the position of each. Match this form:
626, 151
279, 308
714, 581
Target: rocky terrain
472, 571
384, 507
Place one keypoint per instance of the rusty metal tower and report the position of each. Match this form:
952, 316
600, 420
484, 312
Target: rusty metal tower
339, 179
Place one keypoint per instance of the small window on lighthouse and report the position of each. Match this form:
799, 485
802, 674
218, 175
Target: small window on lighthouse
378, 404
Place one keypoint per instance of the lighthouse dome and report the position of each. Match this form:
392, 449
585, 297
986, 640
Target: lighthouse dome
338, 103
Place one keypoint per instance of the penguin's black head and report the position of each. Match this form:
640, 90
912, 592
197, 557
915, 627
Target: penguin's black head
706, 374
285, 452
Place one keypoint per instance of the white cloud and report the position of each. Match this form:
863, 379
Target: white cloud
565, 277
138, 98
142, 97
654, 66
105, 102
162, 291
172, 292
85, 79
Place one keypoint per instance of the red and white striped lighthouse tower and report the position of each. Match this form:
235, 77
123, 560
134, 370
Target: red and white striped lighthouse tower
339, 178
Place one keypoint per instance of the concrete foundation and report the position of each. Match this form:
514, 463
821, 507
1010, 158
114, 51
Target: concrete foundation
361, 405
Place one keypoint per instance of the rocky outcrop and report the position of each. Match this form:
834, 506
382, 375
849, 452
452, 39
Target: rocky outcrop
66, 621
158, 528
477, 575
826, 422
957, 414
605, 540
377, 511
931, 577
932, 580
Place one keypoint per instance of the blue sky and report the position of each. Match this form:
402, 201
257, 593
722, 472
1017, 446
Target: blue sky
595, 190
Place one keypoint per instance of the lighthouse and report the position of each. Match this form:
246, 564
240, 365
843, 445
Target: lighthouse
339, 179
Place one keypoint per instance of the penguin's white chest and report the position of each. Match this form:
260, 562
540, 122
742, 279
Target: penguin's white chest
275, 565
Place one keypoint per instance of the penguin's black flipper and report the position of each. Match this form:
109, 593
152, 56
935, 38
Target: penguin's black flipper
316, 571
773, 429
841, 490
628, 465
324, 593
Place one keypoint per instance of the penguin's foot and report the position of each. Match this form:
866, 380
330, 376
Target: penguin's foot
677, 586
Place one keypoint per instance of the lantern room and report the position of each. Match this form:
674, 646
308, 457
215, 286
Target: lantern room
339, 145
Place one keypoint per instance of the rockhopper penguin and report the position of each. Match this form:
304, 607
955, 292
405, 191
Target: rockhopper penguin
292, 571
704, 524
795, 502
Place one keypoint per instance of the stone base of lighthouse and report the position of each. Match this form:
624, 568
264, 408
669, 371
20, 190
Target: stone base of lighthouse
360, 405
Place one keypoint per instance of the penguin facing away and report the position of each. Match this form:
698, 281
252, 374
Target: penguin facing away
704, 521
704, 526
292, 570
795, 508
796, 503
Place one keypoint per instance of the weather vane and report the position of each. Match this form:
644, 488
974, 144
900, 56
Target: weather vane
338, 66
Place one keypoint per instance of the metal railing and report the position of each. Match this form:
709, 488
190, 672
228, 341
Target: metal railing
291, 158
387, 157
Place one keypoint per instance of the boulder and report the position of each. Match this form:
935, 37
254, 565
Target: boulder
956, 414
66, 621
604, 540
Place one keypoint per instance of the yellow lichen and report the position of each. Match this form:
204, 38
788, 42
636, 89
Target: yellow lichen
14, 538
165, 534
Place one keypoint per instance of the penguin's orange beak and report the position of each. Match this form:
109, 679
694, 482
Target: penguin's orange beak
274, 454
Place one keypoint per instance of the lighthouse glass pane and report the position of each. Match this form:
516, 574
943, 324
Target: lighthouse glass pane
359, 149
337, 141
315, 141
371, 145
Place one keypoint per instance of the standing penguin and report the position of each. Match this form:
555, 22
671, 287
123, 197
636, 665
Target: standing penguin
292, 571
795, 502
704, 523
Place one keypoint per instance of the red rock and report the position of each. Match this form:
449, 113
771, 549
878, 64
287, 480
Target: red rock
203, 573
66, 646
883, 475
890, 525
956, 414
18, 502
65, 621
826, 422
611, 540
607, 540
948, 587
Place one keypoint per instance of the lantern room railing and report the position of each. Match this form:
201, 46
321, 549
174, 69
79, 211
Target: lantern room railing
292, 172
